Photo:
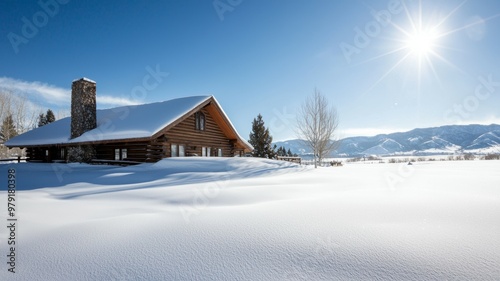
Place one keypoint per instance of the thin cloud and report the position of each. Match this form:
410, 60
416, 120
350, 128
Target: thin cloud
43, 93
109, 100
36, 90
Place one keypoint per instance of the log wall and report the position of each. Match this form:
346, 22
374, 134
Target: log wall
193, 140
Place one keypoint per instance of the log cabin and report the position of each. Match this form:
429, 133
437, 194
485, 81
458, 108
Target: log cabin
189, 126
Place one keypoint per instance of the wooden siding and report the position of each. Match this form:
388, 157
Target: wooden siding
136, 151
33, 153
45, 154
193, 140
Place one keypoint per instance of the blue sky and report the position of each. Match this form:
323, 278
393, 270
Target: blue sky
386, 65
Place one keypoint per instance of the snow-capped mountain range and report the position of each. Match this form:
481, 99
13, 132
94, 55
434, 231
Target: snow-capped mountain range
478, 139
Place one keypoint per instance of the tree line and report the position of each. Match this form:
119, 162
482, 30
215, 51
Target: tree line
17, 116
9, 129
317, 123
262, 142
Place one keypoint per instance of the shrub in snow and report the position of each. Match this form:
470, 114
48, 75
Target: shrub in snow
80, 154
469, 156
492, 157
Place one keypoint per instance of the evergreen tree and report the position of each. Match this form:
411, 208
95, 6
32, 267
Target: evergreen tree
50, 117
290, 153
42, 120
8, 129
261, 139
279, 151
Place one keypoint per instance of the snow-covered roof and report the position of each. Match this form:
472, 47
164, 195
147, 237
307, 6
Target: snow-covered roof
85, 79
126, 122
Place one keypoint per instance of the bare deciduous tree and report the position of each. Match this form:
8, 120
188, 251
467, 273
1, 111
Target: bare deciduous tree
5, 104
317, 122
23, 114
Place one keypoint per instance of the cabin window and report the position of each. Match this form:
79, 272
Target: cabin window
124, 153
120, 154
63, 156
206, 151
173, 150
182, 151
200, 121
219, 152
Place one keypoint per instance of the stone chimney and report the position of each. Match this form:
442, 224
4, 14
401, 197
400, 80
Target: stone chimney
83, 107
83, 118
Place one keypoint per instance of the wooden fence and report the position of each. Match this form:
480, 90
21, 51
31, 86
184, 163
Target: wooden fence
18, 159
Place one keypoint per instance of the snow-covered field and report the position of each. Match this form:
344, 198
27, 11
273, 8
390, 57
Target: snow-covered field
254, 219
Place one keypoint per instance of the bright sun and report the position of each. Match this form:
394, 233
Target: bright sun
420, 40
421, 43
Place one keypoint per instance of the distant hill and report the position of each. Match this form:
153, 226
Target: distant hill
479, 139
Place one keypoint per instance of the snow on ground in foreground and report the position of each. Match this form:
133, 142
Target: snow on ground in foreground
254, 219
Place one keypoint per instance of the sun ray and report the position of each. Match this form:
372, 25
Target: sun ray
410, 19
385, 75
468, 25
436, 75
445, 18
420, 15
409, 16
380, 56
449, 63
433, 69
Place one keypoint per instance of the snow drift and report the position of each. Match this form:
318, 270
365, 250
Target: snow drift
254, 219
